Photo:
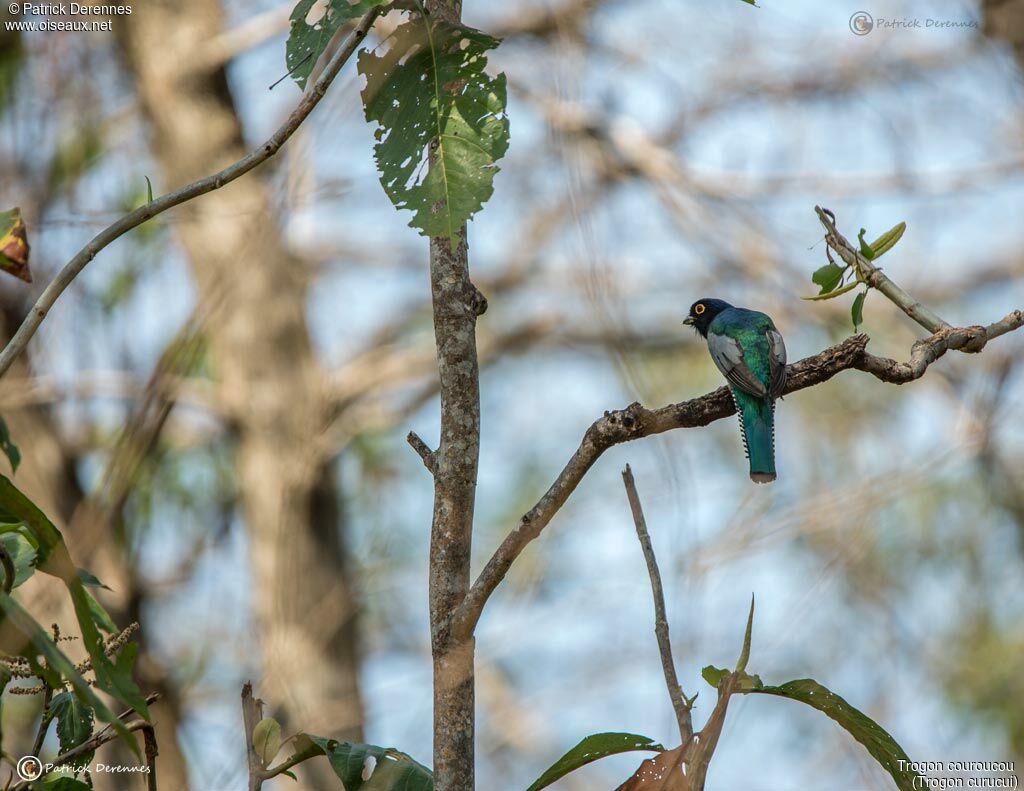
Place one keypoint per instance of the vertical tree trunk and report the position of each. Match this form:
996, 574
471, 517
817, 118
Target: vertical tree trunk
267, 374
457, 304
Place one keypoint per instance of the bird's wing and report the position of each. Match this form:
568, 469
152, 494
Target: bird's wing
728, 356
777, 361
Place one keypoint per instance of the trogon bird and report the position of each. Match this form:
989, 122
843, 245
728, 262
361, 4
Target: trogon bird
749, 351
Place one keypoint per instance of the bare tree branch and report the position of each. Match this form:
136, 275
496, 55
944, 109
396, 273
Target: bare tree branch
636, 421
133, 219
680, 704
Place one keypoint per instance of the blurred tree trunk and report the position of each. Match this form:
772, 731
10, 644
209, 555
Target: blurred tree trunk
1005, 19
268, 376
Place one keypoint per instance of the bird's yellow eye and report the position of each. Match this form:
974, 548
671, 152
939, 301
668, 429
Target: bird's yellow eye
698, 309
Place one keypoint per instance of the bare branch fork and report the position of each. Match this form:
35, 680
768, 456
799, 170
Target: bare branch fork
150, 210
636, 421
680, 703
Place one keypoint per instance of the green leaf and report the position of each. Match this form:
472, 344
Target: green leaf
857, 311
149, 190
90, 580
887, 240
827, 277
882, 747
865, 248
74, 720
14, 249
390, 770
593, 748
313, 25
22, 554
837, 293
266, 739
8, 447
441, 122
741, 664
714, 675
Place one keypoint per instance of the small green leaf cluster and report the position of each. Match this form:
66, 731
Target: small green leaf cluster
831, 277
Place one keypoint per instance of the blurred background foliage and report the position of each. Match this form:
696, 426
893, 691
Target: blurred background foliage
261, 514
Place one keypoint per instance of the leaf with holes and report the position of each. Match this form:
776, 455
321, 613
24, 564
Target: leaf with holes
441, 122
14, 247
74, 721
313, 24
592, 748
366, 767
882, 747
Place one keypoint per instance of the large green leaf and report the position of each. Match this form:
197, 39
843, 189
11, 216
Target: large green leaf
313, 25
389, 769
879, 743
441, 122
74, 720
14, 248
593, 748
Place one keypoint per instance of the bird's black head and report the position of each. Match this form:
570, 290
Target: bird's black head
703, 312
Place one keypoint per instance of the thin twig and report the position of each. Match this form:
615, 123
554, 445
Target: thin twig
876, 278
133, 219
675, 692
423, 449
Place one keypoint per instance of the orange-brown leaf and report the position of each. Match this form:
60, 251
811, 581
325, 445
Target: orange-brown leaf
14, 247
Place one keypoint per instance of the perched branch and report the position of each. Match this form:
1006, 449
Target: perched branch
679, 701
875, 278
150, 210
636, 421
149, 737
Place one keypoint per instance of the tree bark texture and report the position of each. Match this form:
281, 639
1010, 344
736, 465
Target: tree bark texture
268, 377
